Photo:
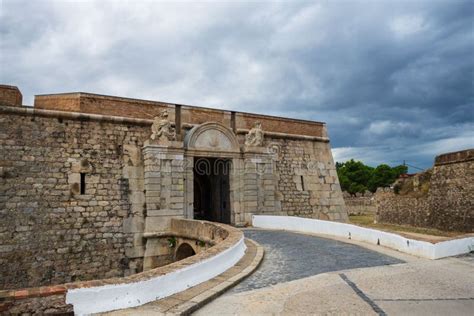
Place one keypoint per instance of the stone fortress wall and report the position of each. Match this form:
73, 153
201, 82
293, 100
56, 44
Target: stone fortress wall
452, 191
360, 204
209, 241
51, 232
441, 197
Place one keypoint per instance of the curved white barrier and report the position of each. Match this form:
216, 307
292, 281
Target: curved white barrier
411, 246
111, 297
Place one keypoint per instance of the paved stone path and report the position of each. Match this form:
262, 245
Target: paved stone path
290, 256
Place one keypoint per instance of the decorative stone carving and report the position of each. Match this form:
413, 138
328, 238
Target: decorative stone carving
213, 139
255, 136
211, 136
162, 131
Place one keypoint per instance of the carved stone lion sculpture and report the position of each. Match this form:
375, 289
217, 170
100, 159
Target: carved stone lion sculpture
162, 129
255, 136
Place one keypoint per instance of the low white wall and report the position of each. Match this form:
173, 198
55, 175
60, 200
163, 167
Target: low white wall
111, 297
411, 246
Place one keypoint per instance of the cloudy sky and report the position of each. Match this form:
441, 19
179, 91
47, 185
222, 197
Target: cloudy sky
393, 79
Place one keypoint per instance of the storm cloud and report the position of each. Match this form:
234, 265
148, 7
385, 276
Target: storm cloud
393, 80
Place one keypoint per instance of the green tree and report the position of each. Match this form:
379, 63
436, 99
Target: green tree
382, 176
355, 177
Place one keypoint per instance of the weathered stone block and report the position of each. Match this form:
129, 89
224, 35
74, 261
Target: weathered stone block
157, 224
134, 224
137, 197
165, 212
135, 252
157, 247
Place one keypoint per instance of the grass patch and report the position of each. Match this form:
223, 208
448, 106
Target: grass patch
368, 221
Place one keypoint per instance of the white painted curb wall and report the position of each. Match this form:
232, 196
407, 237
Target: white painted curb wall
111, 297
411, 246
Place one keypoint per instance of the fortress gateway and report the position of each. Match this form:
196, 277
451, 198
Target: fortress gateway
86, 178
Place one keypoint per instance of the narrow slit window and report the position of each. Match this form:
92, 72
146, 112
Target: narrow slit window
83, 183
302, 183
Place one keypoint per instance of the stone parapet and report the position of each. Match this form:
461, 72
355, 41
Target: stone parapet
53, 299
144, 109
82, 116
79, 116
101, 105
10, 96
455, 157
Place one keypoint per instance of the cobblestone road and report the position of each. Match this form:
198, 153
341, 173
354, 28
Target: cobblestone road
290, 256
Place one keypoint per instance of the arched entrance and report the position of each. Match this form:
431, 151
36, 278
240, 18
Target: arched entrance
212, 189
211, 179
184, 251
202, 197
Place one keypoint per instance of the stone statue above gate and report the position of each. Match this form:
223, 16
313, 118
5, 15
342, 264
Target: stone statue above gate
255, 136
162, 131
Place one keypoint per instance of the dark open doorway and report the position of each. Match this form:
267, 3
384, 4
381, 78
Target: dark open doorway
211, 189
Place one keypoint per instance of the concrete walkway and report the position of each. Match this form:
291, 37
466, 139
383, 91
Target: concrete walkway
417, 287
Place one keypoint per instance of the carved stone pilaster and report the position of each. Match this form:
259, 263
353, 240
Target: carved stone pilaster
165, 170
260, 182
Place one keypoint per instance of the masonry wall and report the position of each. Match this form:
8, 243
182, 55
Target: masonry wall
402, 210
10, 95
102, 105
452, 193
308, 185
360, 204
49, 234
142, 109
445, 203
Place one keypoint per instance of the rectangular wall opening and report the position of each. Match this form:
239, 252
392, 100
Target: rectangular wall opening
83, 183
212, 189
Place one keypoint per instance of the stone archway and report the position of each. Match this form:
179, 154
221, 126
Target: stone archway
211, 136
184, 250
217, 145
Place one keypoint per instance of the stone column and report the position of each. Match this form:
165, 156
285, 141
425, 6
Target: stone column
236, 181
134, 224
189, 187
165, 172
259, 182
